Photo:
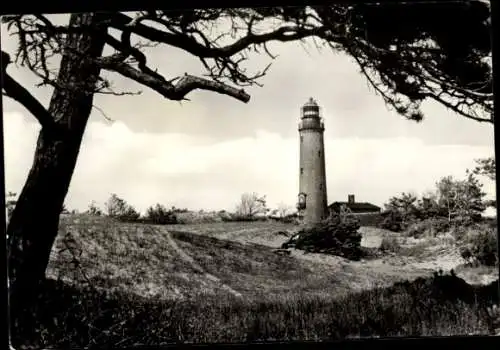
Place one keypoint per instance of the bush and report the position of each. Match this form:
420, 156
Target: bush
239, 217
390, 244
483, 247
94, 210
428, 227
369, 219
466, 254
459, 232
335, 236
463, 233
129, 215
224, 215
289, 219
202, 217
440, 225
467, 220
392, 221
159, 215
418, 229
118, 208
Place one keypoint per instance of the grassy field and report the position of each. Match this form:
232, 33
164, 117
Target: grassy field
112, 283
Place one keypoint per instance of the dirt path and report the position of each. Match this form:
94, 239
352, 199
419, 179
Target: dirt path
184, 256
237, 234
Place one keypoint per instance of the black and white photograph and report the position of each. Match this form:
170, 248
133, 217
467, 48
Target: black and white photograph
238, 175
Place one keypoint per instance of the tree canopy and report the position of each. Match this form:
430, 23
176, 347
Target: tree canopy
408, 53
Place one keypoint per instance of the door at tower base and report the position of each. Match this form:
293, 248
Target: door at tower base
308, 214
301, 205
311, 217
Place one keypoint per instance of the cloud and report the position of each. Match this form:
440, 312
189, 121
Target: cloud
198, 173
20, 135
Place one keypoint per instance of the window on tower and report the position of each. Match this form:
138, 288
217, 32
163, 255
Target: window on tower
302, 139
320, 186
301, 171
319, 153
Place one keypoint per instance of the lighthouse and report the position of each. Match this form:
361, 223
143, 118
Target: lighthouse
312, 203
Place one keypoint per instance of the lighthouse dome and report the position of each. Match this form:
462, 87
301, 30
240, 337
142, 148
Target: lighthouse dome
311, 118
310, 109
311, 102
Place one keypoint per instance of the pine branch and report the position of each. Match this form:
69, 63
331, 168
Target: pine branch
176, 92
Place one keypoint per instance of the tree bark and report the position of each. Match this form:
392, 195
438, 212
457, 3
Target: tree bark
34, 224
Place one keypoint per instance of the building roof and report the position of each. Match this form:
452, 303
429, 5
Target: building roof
355, 205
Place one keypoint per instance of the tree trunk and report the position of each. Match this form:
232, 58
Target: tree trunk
34, 224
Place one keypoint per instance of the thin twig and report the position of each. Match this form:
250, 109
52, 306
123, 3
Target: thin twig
103, 114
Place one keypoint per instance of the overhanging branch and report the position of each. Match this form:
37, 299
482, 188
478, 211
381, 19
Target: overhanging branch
284, 33
18, 93
176, 92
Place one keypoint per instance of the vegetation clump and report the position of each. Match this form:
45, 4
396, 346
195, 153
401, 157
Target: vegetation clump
77, 316
118, 208
482, 248
454, 205
390, 244
160, 215
337, 235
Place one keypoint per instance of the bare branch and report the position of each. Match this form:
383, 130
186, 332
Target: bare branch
125, 48
18, 93
103, 114
284, 33
121, 93
176, 92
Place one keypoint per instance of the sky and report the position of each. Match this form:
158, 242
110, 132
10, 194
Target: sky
204, 153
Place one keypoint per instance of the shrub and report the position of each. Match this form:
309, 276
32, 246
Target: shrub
392, 221
239, 217
483, 247
224, 215
440, 225
200, 217
178, 210
289, 219
129, 215
370, 219
94, 209
430, 227
118, 208
466, 254
335, 235
459, 232
390, 244
418, 229
160, 215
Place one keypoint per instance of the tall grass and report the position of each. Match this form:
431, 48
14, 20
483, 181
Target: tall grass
284, 298
81, 316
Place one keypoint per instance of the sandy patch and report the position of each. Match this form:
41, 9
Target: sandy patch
478, 275
372, 236
323, 259
446, 262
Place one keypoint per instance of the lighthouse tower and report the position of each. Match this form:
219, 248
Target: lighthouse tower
312, 203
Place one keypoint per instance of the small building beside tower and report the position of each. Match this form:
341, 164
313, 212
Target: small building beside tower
355, 207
